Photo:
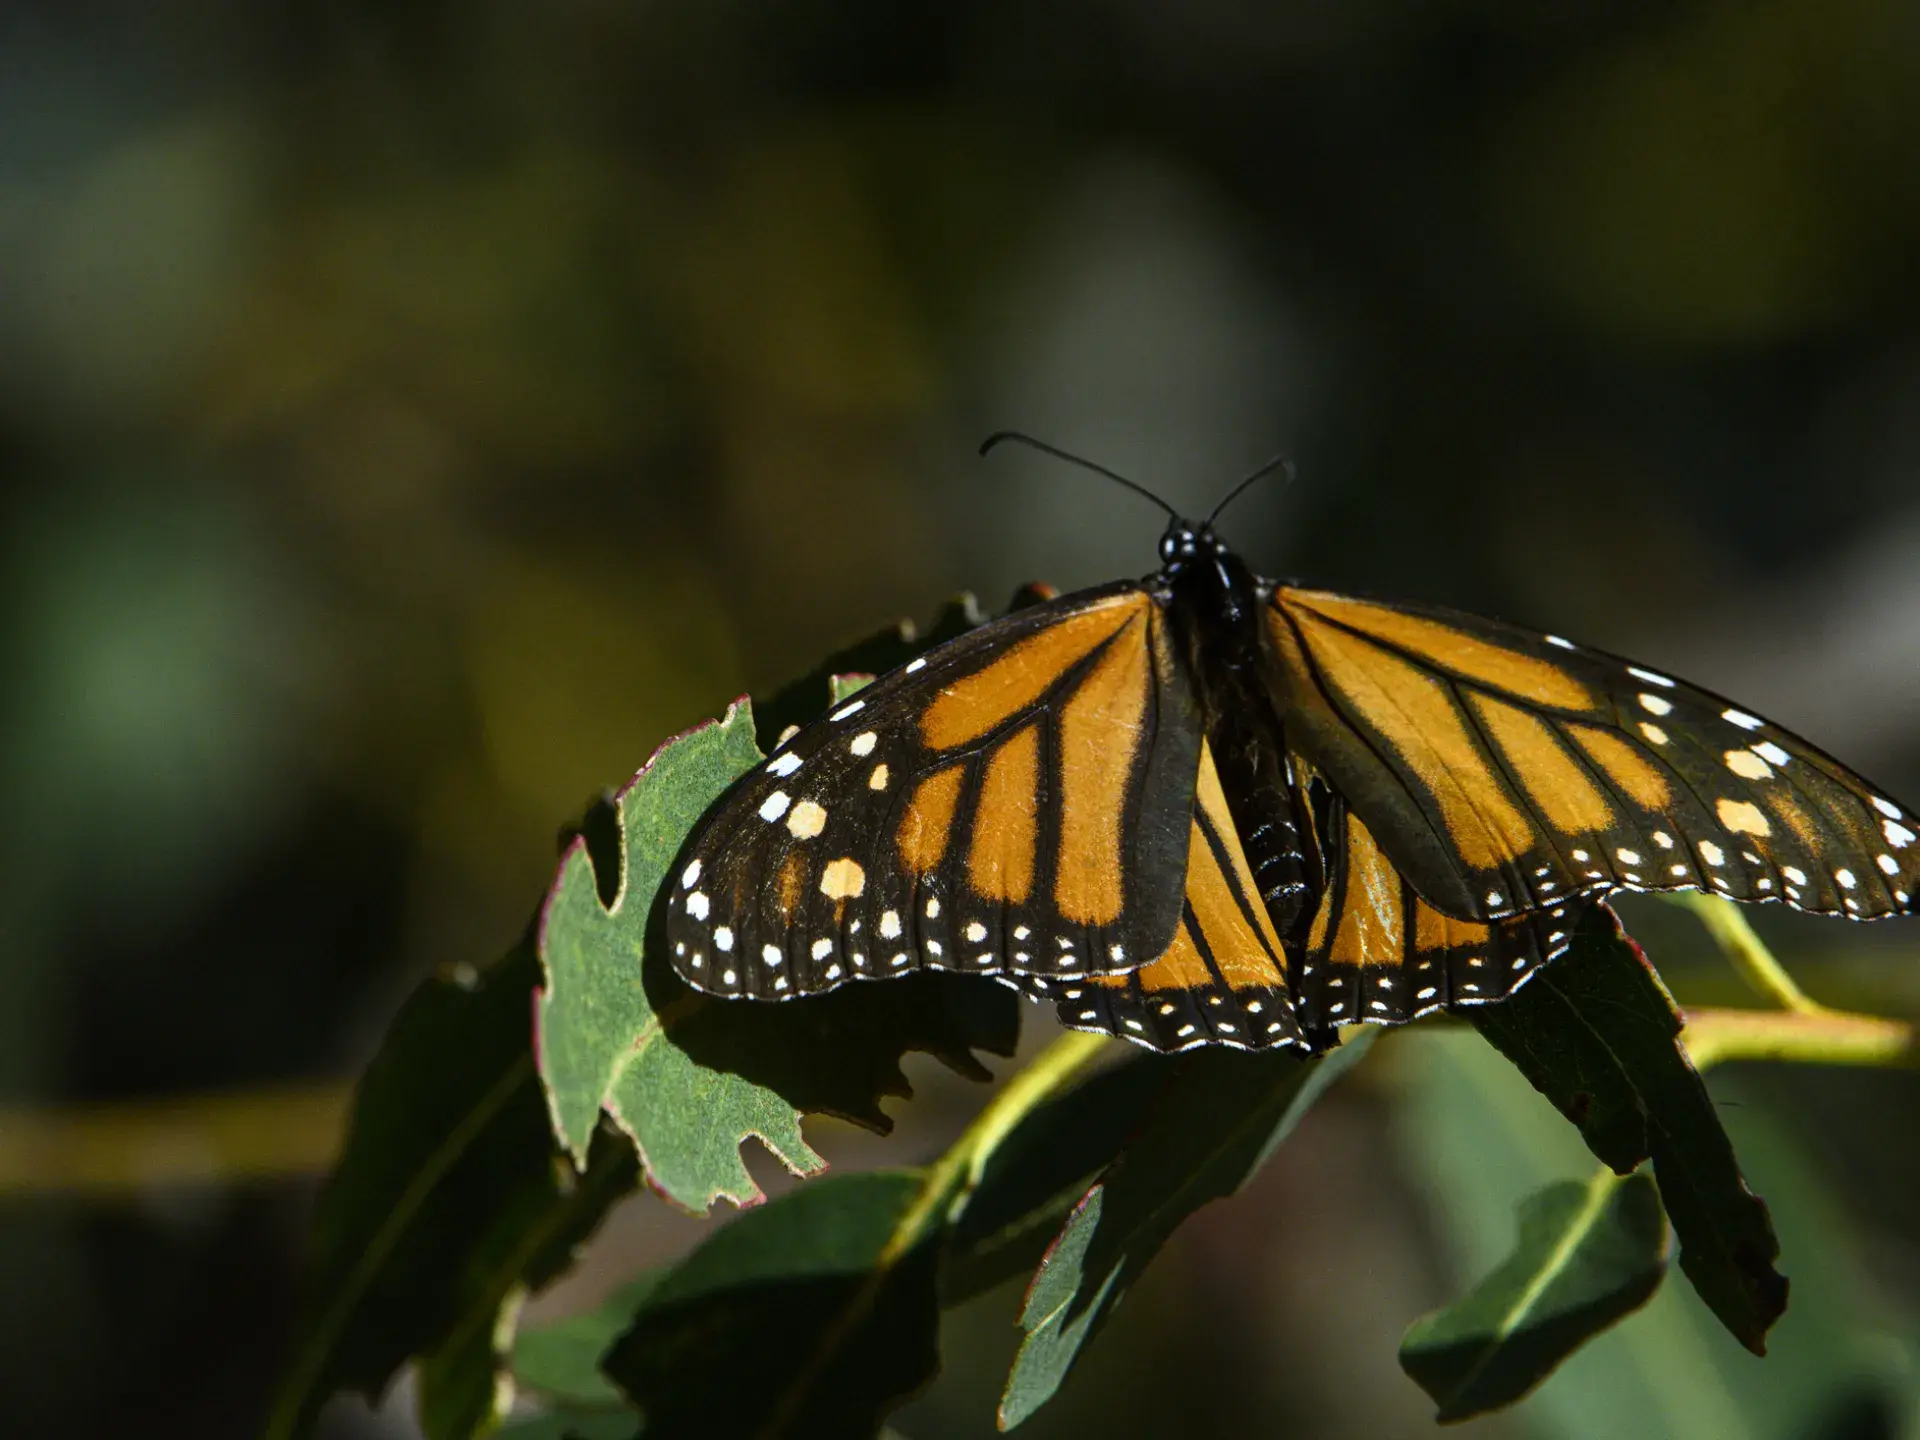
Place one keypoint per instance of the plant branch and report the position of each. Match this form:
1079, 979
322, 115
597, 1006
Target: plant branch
1748, 953
1819, 1037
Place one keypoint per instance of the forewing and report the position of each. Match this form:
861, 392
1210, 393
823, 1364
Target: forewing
1222, 981
1503, 771
1013, 802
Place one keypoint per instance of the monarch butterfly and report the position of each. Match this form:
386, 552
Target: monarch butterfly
1208, 808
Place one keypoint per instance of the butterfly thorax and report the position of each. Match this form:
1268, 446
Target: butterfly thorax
1214, 603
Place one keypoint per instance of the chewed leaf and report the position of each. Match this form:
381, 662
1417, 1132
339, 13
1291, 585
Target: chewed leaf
1599, 1036
689, 1077
1214, 1126
1587, 1255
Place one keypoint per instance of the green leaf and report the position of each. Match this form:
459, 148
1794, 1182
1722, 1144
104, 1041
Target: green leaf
1215, 1125
1597, 1033
689, 1078
596, 1023
1587, 1255
447, 1200
574, 1425
814, 1315
1478, 1140
1039, 1172
560, 1361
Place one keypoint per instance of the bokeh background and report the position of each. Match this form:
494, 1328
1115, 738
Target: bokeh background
412, 413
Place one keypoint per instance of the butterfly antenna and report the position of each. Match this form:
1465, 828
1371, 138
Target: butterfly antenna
1084, 464
1279, 462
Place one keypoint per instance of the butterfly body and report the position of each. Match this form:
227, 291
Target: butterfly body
1203, 808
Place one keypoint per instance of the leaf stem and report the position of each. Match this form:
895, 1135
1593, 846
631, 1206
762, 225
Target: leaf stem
966, 1159
948, 1180
1818, 1037
1748, 953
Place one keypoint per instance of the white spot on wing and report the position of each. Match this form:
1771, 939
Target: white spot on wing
976, 932
1769, 751
1657, 704
1653, 732
843, 879
1714, 855
1651, 677
863, 743
690, 876
913, 665
890, 925
722, 938
697, 905
771, 954
807, 820
784, 764
853, 708
1886, 808
878, 780
822, 948
933, 908
1795, 875
774, 806
1742, 719
1845, 877
1556, 640
1898, 836
1888, 865
1747, 765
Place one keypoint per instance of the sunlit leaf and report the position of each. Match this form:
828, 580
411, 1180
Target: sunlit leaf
1214, 1126
689, 1078
1597, 1033
1586, 1256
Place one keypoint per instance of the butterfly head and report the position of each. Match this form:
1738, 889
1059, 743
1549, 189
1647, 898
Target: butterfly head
1187, 545
1194, 560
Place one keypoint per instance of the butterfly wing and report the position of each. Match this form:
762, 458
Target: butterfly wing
1014, 801
1222, 980
1378, 954
1504, 771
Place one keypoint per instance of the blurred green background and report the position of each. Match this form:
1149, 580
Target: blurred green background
412, 413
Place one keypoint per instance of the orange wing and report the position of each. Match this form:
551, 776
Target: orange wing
1503, 771
1013, 802
1223, 980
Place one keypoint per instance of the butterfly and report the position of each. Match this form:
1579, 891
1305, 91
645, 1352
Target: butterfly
1208, 808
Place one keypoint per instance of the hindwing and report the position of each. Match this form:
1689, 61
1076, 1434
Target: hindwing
1504, 771
1013, 802
1378, 954
1222, 980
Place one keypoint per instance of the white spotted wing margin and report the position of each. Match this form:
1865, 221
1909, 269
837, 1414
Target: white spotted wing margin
1505, 771
1013, 802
